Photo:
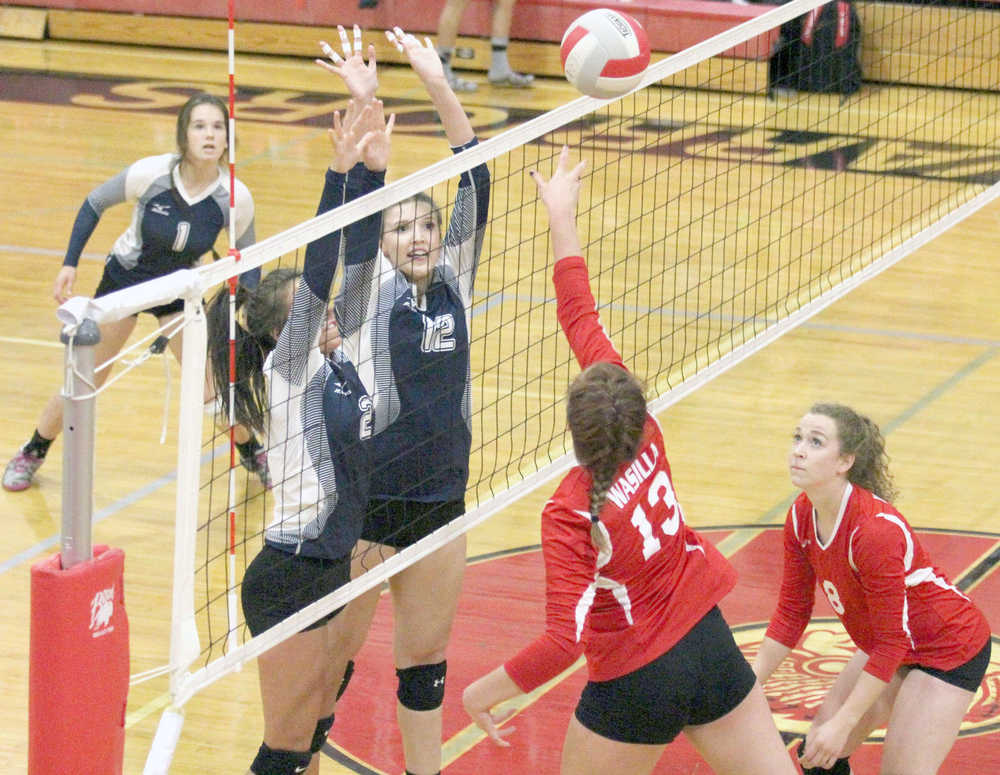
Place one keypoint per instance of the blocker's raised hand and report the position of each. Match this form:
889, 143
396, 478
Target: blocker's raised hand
360, 77
423, 57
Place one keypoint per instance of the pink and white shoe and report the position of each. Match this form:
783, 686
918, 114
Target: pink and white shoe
20, 471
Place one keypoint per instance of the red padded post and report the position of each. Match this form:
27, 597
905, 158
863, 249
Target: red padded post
79, 666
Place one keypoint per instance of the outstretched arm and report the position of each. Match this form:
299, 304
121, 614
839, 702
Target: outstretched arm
427, 65
560, 196
575, 305
349, 137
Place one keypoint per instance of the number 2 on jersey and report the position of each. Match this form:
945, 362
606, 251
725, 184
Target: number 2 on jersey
660, 491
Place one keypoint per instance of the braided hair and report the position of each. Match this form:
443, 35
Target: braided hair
262, 314
606, 414
861, 437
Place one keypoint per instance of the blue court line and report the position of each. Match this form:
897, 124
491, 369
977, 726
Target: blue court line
493, 299
49, 252
487, 301
52, 542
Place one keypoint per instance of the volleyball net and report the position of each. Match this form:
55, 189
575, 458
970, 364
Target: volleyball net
717, 212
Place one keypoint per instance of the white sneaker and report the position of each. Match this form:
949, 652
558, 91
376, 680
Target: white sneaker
511, 79
459, 84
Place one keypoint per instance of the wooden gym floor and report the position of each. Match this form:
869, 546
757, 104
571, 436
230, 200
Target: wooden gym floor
917, 348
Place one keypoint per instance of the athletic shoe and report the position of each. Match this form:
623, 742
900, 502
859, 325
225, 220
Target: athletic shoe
511, 79
459, 84
257, 464
21, 470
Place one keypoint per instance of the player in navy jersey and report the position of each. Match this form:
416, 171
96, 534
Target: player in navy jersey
404, 314
923, 646
628, 583
317, 417
181, 204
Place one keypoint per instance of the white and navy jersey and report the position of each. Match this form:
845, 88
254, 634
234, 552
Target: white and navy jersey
625, 608
170, 229
895, 604
320, 416
413, 353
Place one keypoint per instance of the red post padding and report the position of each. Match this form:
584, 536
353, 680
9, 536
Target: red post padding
79, 669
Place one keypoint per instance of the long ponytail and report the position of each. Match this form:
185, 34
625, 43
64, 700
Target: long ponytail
264, 310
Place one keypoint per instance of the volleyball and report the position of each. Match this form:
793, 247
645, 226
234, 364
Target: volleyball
604, 53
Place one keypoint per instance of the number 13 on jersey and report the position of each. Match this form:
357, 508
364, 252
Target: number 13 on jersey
660, 493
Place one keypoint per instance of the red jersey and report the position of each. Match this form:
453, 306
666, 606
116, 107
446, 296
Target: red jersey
896, 606
625, 608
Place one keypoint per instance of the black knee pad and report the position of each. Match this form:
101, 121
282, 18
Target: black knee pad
322, 732
421, 687
271, 762
840, 767
348, 672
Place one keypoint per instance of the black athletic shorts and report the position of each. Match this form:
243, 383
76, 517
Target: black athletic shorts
700, 679
278, 584
402, 523
112, 281
967, 676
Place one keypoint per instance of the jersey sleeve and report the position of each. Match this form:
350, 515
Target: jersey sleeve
245, 214
798, 589
877, 552
245, 230
577, 312
365, 302
570, 559
463, 242
309, 302
361, 257
109, 193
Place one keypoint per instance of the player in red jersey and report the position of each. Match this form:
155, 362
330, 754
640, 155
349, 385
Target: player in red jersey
628, 583
923, 646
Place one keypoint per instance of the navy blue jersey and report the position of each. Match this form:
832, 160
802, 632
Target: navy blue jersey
413, 353
170, 229
320, 415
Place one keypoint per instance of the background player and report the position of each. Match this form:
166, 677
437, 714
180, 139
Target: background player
181, 204
628, 583
410, 300
500, 72
923, 646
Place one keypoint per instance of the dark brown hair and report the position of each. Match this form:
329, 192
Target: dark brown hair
420, 197
861, 437
606, 413
184, 117
264, 312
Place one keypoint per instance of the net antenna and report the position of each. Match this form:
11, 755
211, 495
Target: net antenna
232, 282
714, 219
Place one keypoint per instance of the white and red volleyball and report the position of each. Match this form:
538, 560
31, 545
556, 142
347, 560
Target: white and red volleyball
604, 53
